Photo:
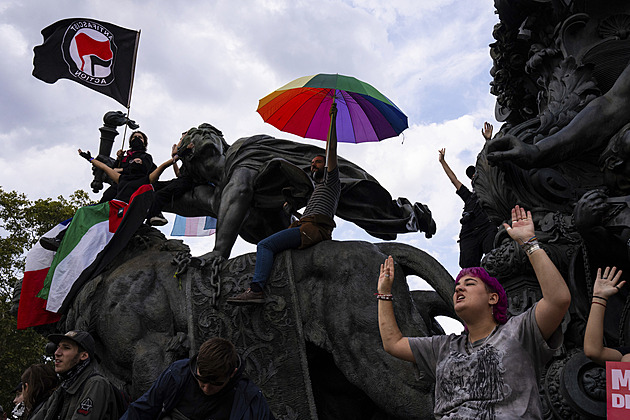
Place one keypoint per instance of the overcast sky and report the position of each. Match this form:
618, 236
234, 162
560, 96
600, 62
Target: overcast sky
212, 61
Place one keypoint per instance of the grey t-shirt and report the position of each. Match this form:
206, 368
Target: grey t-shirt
494, 378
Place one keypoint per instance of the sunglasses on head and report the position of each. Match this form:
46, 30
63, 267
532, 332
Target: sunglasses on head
209, 379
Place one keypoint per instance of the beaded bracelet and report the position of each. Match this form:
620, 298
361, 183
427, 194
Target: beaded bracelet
530, 246
383, 296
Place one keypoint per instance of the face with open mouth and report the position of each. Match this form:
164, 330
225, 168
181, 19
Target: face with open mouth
67, 355
471, 293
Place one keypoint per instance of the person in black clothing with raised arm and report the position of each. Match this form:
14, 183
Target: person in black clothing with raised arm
476, 237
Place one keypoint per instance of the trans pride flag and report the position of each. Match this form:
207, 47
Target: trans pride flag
194, 226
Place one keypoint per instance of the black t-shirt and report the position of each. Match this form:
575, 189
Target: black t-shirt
473, 215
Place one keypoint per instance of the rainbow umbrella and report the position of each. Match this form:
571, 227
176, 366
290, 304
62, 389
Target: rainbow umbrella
302, 107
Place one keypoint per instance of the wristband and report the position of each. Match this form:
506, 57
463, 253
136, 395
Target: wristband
531, 246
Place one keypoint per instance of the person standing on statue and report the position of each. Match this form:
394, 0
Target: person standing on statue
210, 385
492, 369
315, 225
476, 236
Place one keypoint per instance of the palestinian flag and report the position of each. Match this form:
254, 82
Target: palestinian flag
32, 310
94, 238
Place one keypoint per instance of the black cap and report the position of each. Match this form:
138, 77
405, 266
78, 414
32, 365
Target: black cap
17, 388
82, 338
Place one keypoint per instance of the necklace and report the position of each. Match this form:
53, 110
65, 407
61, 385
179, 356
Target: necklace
479, 343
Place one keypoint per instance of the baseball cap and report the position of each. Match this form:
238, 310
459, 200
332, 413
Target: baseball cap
17, 388
82, 338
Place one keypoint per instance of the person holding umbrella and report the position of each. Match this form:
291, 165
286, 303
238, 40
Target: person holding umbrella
315, 225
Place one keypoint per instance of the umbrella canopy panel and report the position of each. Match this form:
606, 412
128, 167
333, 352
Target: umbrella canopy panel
302, 107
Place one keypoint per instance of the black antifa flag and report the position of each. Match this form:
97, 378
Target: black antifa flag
96, 54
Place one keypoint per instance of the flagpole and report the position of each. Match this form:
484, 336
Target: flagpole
133, 75
133, 69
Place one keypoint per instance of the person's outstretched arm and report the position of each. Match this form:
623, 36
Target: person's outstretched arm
556, 296
605, 286
393, 341
114, 175
155, 175
451, 175
175, 156
331, 142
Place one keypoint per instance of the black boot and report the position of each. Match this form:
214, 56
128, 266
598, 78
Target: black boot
52, 244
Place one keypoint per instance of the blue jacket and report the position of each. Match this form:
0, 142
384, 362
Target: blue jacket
166, 391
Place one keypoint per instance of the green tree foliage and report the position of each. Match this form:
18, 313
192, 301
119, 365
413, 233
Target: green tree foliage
22, 223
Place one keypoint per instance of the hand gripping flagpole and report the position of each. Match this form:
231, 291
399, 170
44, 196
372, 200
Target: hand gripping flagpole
332, 130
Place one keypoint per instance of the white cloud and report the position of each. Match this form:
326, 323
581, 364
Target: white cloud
213, 61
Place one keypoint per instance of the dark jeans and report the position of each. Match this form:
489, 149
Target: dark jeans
165, 191
269, 247
109, 194
124, 189
475, 244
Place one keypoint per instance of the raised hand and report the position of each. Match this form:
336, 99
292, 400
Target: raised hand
522, 228
607, 284
386, 277
85, 155
442, 154
486, 131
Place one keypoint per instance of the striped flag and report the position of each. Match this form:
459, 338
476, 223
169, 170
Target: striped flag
194, 226
96, 235
32, 309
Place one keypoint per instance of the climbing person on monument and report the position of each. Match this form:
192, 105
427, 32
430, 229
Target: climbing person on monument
166, 191
315, 225
492, 369
476, 236
210, 385
132, 175
84, 393
138, 144
606, 286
